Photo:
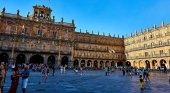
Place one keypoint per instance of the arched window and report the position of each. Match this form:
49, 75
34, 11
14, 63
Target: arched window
53, 34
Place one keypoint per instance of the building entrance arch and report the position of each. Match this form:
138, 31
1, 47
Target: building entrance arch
89, 62
162, 63
20, 59
113, 64
51, 61
147, 63
101, 64
76, 63
37, 59
82, 63
95, 64
4, 57
128, 64
64, 61
154, 62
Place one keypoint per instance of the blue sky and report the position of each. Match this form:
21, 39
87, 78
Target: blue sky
119, 17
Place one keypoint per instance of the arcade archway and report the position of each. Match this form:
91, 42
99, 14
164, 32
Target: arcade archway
64, 61
82, 63
107, 63
95, 64
113, 64
119, 64
76, 63
36, 59
154, 62
4, 57
147, 64
51, 61
128, 64
89, 63
162, 63
101, 64
20, 59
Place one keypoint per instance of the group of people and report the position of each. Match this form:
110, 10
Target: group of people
14, 77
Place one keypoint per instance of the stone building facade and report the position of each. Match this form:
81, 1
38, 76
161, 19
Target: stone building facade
149, 48
38, 38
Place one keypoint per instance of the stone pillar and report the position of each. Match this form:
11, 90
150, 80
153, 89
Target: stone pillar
104, 64
80, 63
116, 64
86, 64
27, 56
151, 67
45, 59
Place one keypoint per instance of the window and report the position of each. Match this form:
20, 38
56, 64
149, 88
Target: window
145, 45
53, 34
152, 44
160, 43
151, 36
161, 52
146, 54
168, 41
144, 38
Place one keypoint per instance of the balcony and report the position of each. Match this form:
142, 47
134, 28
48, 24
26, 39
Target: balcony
148, 47
149, 56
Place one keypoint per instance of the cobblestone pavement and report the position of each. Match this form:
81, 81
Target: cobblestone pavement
92, 82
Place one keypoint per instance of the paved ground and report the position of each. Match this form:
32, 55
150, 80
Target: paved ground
92, 82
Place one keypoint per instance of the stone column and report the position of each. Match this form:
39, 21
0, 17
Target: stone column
98, 64
80, 63
85, 63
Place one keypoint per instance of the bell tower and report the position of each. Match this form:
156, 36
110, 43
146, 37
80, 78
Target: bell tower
42, 13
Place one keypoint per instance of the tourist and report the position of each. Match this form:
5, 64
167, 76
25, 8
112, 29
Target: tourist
25, 75
61, 69
64, 68
3, 73
46, 72
53, 69
169, 79
15, 81
123, 70
106, 69
141, 85
81, 70
1, 81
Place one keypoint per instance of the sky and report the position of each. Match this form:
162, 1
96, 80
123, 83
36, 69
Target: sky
117, 17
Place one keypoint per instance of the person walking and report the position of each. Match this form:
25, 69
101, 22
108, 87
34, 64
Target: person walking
141, 86
53, 69
169, 79
3, 73
25, 74
123, 70
15, 81
46, 72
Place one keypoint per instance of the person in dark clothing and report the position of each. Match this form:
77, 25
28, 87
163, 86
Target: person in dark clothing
15, 81
123, 70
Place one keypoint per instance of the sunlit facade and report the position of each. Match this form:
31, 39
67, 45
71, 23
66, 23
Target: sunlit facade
38, 38
149, 48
